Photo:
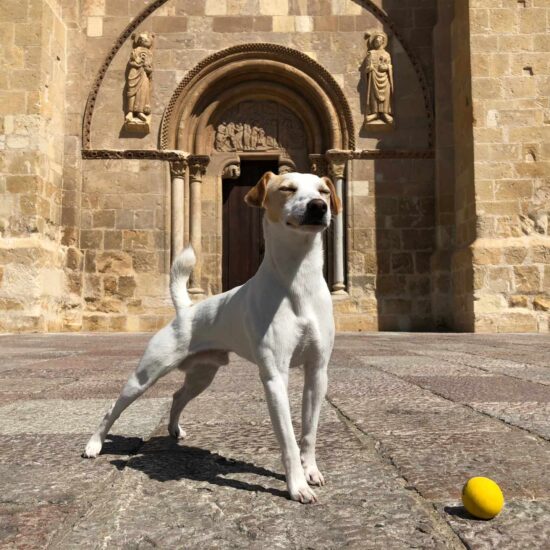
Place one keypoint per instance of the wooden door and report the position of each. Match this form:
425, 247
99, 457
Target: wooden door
243, 243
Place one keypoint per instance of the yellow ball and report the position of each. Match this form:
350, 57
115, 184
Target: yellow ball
482, 497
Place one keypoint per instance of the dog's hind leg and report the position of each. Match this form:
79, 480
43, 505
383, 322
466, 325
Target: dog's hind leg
160, 357
200, 371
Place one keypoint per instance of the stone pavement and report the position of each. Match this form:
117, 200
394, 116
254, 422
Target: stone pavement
408, 418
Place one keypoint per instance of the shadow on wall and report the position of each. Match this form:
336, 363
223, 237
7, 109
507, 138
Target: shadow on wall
404, 242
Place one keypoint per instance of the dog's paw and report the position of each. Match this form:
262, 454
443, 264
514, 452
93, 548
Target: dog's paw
93, 448
302, 493
177, 432
313, 475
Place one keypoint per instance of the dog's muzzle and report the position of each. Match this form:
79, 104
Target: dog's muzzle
315, 214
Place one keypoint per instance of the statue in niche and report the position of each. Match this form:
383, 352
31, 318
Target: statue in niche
379, 76
138, 84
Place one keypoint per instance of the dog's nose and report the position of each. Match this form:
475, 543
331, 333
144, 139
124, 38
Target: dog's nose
316, 208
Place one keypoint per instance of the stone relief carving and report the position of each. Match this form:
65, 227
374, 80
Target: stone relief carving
138, 83
232, 171
379, 78
259, 126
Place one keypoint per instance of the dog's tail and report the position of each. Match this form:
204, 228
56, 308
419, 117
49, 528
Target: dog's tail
179, 275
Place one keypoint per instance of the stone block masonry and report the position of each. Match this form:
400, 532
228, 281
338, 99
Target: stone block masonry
511, 131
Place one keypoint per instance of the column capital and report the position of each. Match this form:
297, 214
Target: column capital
197, 167
337, 159
178, 168
318, 165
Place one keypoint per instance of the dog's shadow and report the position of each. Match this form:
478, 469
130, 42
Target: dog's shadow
163, 459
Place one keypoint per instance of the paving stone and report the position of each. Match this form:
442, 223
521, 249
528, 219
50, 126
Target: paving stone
237, 498
30, 527
438, 465
466, 389
531, 416
394, 450
419, 366
56, 416
532, 373
522, 525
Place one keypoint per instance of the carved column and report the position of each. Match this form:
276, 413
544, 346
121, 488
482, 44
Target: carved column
197, 168
177, 175
337, 160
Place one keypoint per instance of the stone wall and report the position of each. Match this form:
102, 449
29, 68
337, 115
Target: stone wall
121, 197
32, 89
459, 243
510, 49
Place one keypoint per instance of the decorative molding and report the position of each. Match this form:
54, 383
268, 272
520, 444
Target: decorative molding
393, 154
149, 154
290, 57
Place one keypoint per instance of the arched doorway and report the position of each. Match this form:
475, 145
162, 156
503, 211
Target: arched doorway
239, 108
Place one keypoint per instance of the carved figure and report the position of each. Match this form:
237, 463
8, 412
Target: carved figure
138, 89
250, 129
238, 137
221, 137
379, 74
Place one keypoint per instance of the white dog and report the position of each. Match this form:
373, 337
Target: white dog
281, 317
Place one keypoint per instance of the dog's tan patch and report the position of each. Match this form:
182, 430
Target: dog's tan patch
267, 193
335, 203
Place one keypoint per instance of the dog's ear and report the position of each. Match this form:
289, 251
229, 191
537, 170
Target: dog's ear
256, 196
335, 202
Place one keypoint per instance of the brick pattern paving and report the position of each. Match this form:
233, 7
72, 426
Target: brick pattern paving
408, 418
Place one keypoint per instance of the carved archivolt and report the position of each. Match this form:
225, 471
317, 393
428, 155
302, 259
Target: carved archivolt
269, 72
369, 5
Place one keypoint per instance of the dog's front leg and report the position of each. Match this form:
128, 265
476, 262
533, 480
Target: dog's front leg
274, 379
315, 389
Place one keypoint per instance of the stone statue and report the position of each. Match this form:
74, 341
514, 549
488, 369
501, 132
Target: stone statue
138, 90
379, 74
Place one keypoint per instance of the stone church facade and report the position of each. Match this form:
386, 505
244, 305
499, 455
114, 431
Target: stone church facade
129, 128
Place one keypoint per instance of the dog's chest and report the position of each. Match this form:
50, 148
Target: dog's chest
309, 340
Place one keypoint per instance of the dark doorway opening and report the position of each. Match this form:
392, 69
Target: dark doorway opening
243, 241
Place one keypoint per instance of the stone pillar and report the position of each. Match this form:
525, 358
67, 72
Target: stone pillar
177, 175
197, 168
336, 166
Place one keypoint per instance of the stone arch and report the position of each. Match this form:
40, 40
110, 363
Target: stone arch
267, 71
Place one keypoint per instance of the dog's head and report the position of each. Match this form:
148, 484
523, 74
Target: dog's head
302, 202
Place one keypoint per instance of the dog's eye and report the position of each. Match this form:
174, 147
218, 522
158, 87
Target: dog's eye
324, 191
288, 189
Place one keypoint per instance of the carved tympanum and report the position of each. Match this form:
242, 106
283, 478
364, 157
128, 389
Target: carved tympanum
138, 84
379, 78
259, 126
